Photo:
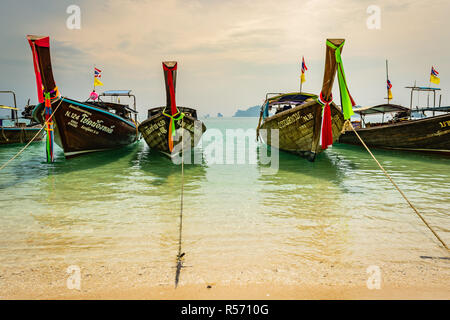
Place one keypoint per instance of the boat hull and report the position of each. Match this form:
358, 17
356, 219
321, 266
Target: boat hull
155, 131
299, 128
425, 135
10, 135
82, 128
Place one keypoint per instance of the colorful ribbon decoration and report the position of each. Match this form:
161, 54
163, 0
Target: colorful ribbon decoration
173, 106
172, 126
347, 101
55, 92
326, 133
37, 72
49, 126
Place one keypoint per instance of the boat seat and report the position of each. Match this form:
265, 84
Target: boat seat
284, 108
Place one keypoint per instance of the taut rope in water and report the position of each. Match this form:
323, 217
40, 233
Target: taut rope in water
180, 254
398, 189
26, 146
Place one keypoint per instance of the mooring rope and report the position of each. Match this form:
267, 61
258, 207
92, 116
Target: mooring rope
26, 146
180, 255
398, 188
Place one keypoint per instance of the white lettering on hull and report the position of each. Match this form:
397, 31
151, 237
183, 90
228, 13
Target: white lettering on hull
294, 118
87, 124
161, 127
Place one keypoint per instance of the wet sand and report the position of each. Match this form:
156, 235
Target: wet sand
257, 292
421, 279
267, 291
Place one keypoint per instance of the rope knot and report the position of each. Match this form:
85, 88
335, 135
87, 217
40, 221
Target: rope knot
323, 101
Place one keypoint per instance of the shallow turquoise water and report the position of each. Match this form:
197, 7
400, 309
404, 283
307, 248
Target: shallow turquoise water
123, 206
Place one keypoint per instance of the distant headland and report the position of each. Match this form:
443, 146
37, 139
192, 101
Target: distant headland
250, 112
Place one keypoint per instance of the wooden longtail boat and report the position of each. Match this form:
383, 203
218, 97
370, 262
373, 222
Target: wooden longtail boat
18, 132
79, 127
402, 132
298, 116
160, 128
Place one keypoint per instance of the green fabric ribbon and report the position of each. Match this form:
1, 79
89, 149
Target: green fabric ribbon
173, 119
48, 144
346, 101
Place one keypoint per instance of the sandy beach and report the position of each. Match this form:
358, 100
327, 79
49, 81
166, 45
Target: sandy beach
254, 292
418, 280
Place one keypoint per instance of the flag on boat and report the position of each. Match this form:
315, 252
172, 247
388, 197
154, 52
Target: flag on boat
434, 76
97, 73
389, 86
304, 68
97, 82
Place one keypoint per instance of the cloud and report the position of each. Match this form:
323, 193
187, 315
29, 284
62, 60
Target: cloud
231, 53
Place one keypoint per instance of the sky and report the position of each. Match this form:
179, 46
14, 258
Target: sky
229, 53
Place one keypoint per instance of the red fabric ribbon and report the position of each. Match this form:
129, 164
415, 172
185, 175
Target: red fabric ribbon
173, 105
37, 72
351, 98
326, 131
43, 42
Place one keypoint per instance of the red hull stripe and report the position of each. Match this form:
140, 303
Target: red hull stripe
43, 42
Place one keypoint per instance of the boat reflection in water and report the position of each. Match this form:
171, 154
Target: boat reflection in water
163, 170
305, 204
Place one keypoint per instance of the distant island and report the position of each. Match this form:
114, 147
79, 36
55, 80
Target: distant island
219, 115
250, 112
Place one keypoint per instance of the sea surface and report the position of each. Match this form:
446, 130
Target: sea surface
241, 222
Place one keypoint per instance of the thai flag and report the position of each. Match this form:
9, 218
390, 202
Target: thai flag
304, 68
389, 84
434, 72
97, 73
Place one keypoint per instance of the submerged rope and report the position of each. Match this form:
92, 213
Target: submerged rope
26, 146
398, 188
180, 255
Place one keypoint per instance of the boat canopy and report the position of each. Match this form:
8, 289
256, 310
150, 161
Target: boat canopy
382, 108
112, 105
14, 109
7, 107
415, 88
116, 93
441, 109
290, 98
